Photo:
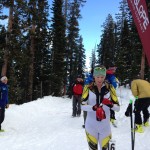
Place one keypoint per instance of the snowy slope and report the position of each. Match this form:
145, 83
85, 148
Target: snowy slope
46, 124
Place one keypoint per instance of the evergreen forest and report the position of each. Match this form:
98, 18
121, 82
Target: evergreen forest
42, 51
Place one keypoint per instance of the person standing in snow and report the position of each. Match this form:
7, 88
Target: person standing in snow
141, 89
88, 82
110, 77
77, 89
3, 99
97, 101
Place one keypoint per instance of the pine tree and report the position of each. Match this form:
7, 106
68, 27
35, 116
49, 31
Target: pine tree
58, 48
124, 59
42, 53
106, 49
18, 66
72, 40
80, 57
93, 58
9, 4
128, 45
2, 44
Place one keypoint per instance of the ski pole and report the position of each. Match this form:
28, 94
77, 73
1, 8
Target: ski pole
132, 130
134, 126
134, 135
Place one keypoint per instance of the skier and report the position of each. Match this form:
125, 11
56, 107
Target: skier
110, 77
97, 101
140, 89
88, 81
77, 89
3, 99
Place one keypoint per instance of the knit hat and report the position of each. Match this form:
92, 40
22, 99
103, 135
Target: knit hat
99, 71
4, 78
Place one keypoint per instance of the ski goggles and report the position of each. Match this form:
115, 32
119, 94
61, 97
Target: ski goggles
99, 71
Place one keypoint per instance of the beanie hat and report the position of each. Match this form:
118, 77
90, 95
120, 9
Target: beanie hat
99, 71
4, 78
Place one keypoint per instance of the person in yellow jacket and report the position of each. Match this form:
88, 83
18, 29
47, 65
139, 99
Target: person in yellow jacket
141, 89
97, 101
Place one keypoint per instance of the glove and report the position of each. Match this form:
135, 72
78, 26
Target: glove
100, 114
95, 107
7, 106
107, 102
128, 111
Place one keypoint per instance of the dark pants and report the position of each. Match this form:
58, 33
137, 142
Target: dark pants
141, 105
2, 116
84, 116
112, 114
76, 105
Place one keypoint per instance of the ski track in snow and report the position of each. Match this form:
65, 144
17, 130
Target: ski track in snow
46, 124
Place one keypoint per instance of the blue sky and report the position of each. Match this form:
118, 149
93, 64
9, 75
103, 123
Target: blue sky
94, 14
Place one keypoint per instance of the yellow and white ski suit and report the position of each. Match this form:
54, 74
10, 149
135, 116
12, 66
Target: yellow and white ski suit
96, 131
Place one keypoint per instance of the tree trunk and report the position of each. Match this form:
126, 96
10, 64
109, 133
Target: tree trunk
142, 65
66, 9
6, 52
32, 54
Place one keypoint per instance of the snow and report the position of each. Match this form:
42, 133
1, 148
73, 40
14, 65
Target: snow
46, 124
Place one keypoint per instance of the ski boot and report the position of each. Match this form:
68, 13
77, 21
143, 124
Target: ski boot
146, 124
113, 122
139, 128
2, 130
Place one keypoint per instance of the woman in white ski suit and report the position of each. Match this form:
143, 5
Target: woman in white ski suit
98, 131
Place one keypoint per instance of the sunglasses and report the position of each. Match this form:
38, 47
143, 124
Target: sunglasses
100, 68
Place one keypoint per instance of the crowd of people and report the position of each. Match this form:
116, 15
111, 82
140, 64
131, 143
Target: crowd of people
96, 97
99, 102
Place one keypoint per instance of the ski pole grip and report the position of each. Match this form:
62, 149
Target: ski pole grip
130, 101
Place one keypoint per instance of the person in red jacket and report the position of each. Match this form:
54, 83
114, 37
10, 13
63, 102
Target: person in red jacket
77, 89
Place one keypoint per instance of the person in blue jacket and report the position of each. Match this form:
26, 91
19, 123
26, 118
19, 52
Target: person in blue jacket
3, 99
88, 81
111, 78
